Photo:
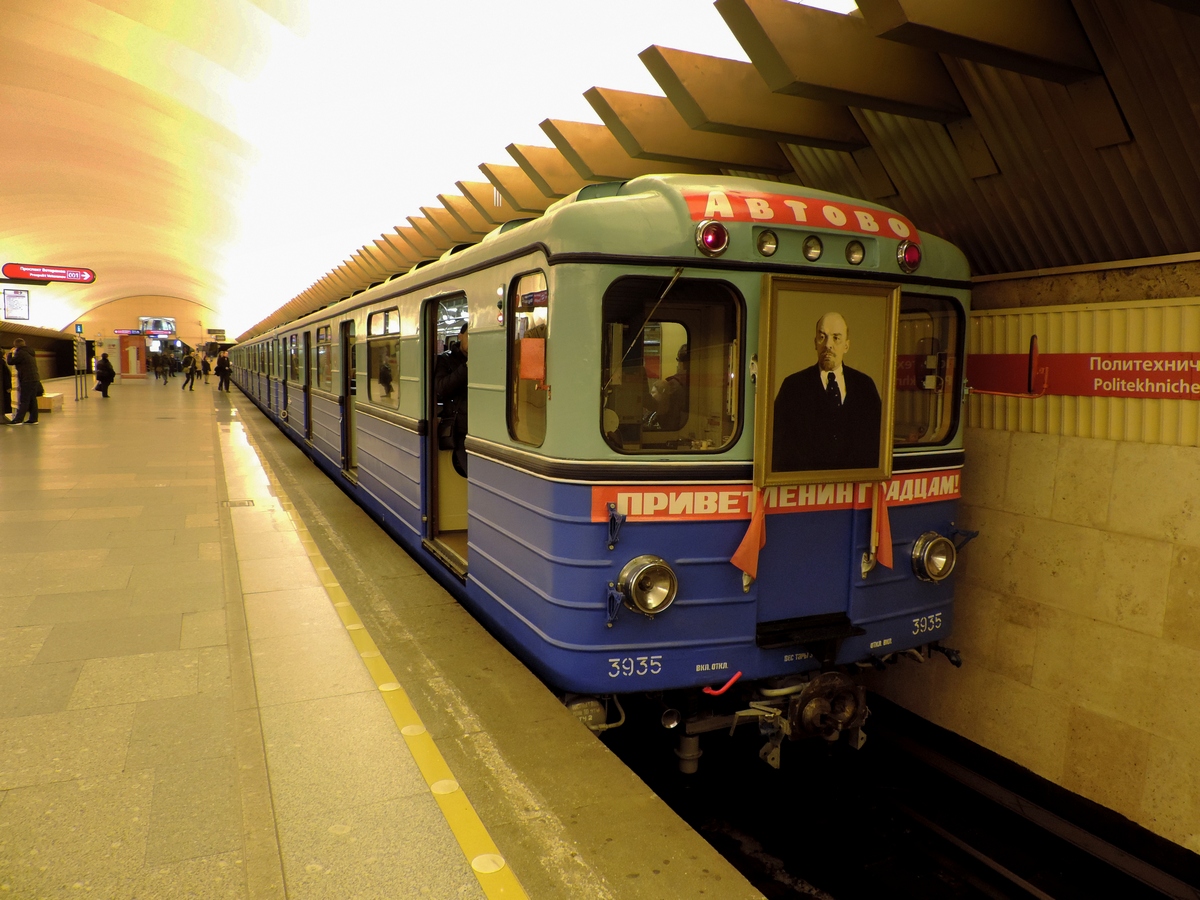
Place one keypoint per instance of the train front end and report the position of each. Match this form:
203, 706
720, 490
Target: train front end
780, 387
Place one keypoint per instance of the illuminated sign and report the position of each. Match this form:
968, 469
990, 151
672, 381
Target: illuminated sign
24, 272
127, 331
16, 304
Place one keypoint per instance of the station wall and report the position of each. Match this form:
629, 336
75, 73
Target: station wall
1078, 612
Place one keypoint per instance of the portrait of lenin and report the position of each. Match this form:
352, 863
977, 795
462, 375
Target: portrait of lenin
827, 416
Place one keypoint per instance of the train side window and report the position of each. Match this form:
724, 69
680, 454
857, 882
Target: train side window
383, 354
528, 331
928, 370
670, 363
325, 358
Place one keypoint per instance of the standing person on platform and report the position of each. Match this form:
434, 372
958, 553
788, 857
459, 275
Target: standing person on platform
189, 370
105, 375
160, 367
205, 367
5, 386
224, 370
29, 383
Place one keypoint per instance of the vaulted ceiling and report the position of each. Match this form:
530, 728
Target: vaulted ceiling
1033, 133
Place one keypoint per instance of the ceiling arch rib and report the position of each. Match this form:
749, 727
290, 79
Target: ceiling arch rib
548, 169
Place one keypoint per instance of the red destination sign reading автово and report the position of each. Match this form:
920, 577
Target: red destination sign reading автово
24, 272
789, 209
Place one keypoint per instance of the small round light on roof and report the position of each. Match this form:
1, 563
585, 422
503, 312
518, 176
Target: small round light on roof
908, 256
813, 248
712, 238
768, 243
855, 253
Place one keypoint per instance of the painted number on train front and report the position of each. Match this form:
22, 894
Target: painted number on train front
931, 622
634, 665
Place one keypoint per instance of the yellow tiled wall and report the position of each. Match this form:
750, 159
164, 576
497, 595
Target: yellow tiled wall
1078, 609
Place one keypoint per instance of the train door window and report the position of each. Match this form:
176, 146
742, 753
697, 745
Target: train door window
383, 355
670, 361
528, 321
271, 357
294, 358
928, 370
325, 358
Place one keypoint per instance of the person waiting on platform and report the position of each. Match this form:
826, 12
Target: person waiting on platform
205, 367
224, 370
29, 383
5, 386
189, 369
828, 415
105, 375
450, 386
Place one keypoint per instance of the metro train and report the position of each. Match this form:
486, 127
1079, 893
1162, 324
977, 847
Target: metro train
634, 518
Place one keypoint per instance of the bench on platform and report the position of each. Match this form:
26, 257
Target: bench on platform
49, 402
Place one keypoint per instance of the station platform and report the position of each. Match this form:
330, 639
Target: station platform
220, 679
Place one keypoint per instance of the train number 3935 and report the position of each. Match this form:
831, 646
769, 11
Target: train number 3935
923, 624
634, 665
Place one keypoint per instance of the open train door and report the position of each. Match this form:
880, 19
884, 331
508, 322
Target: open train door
446, 520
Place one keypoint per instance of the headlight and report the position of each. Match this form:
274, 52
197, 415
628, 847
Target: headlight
813, 248
933, 556
855, 253
647, 584
768, 243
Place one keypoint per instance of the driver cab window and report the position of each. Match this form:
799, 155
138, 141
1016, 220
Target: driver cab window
670, 362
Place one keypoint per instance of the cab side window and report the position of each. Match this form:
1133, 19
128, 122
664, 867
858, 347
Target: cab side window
928, 370
528, 331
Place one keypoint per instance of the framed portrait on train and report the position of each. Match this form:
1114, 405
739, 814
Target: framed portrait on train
825, 381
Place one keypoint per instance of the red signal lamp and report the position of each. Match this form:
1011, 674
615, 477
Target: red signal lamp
712, 238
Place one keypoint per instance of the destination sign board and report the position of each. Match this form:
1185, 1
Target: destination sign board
26, 272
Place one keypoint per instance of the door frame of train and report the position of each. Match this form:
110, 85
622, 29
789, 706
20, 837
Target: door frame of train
450, 551
349, 354
307, 341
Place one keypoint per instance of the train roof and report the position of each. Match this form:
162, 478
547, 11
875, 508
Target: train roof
657, 215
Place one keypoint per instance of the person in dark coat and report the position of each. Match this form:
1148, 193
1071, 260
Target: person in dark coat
224, 369
828, 415
206, 368
5, 386
28, 383
189, 369
450, 388
105, 375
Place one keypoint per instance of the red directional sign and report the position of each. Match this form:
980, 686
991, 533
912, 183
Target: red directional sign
24, 272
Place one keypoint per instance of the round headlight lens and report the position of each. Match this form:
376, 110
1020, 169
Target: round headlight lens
648, 584
855, 253
933, 557
908, 256
712, 238
768, 243
813, 248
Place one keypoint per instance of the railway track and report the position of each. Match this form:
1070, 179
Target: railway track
916, 813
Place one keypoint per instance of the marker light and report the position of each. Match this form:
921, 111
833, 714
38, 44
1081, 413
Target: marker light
712, 238
813, 248
933, 556
647, 584
768, 243
908, 255
855, 253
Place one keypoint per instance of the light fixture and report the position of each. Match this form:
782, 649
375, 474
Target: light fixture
813, 248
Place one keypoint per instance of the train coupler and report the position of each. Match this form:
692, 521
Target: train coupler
953, 655
829, 704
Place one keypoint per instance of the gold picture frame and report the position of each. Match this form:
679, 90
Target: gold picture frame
804, 432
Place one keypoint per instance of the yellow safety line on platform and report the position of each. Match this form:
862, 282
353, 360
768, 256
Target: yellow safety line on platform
494, 874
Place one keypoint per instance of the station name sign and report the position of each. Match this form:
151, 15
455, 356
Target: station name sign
25, 272
798, 209
1172, 375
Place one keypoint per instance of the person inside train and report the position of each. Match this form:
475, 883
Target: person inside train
670, 397
827, 416
450, 388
